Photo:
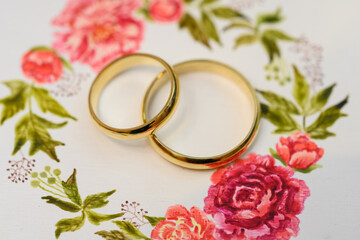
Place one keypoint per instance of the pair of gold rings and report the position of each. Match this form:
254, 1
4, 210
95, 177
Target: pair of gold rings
149, 127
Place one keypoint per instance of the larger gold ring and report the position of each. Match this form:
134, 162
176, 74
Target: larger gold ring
218, 160
118, 66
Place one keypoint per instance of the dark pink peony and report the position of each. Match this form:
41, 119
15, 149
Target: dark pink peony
166, 11
254, 199
97, 32
298, 151
181, 224
42, 66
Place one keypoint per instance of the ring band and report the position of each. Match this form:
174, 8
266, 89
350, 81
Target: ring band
118, 66
218, 160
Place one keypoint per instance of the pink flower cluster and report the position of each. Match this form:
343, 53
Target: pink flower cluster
96, 32
254, 199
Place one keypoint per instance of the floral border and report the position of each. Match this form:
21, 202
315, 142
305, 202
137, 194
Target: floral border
252, 198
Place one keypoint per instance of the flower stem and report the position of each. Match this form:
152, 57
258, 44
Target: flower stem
304, 123
52, 192
50, 185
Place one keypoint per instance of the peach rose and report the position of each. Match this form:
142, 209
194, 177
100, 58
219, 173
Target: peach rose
181, 224
298, 151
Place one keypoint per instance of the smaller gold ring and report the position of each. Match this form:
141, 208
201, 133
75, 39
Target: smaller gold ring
118, 66
218, 160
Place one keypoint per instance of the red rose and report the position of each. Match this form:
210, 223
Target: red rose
180, 224
298, 151
254, 199
166, 10
42, 66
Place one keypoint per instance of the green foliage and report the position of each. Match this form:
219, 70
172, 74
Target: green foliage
204, 29
70, 191
112, 235
34, 129
281, 119
64, 205
226, 12
154, 220
130, 230
309, 169
209, 27
194, 28
301, 89
271, 17
280, 109
96, 218
16, 101
245, 39
31, 127
279, 103
69, 225
327, 118
97, 200
49, 104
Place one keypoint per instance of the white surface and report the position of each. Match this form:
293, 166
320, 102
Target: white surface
138, 173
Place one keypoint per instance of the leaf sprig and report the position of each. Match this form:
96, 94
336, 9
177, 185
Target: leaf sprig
31, 127
70, 200
280, 110
204, 29
255, 32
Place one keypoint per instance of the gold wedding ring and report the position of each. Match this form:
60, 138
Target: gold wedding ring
118, 66
218, 160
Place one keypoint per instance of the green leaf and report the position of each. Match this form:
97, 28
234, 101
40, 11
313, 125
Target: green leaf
279, 102
194, 29
67, 206
71, 189
34, 129
154, 220
97, 200
239, 24
112, 235
226, 12
321, 133
38, 48
69, 225
276, 156
130, 230
66, 64
277, 35
327, 118
96, 218
245, 40
16, 101
281, 119
274, 17
188, 1
309, 169
210, 27
207, 2
271, 47
301, 89
49, 104
318, 100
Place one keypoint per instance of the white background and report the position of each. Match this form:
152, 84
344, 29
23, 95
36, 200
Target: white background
137, 172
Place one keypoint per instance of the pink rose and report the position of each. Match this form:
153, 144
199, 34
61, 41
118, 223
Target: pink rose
254, 199
181, 224
166, 10
97, 32
42, 66
298, 151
